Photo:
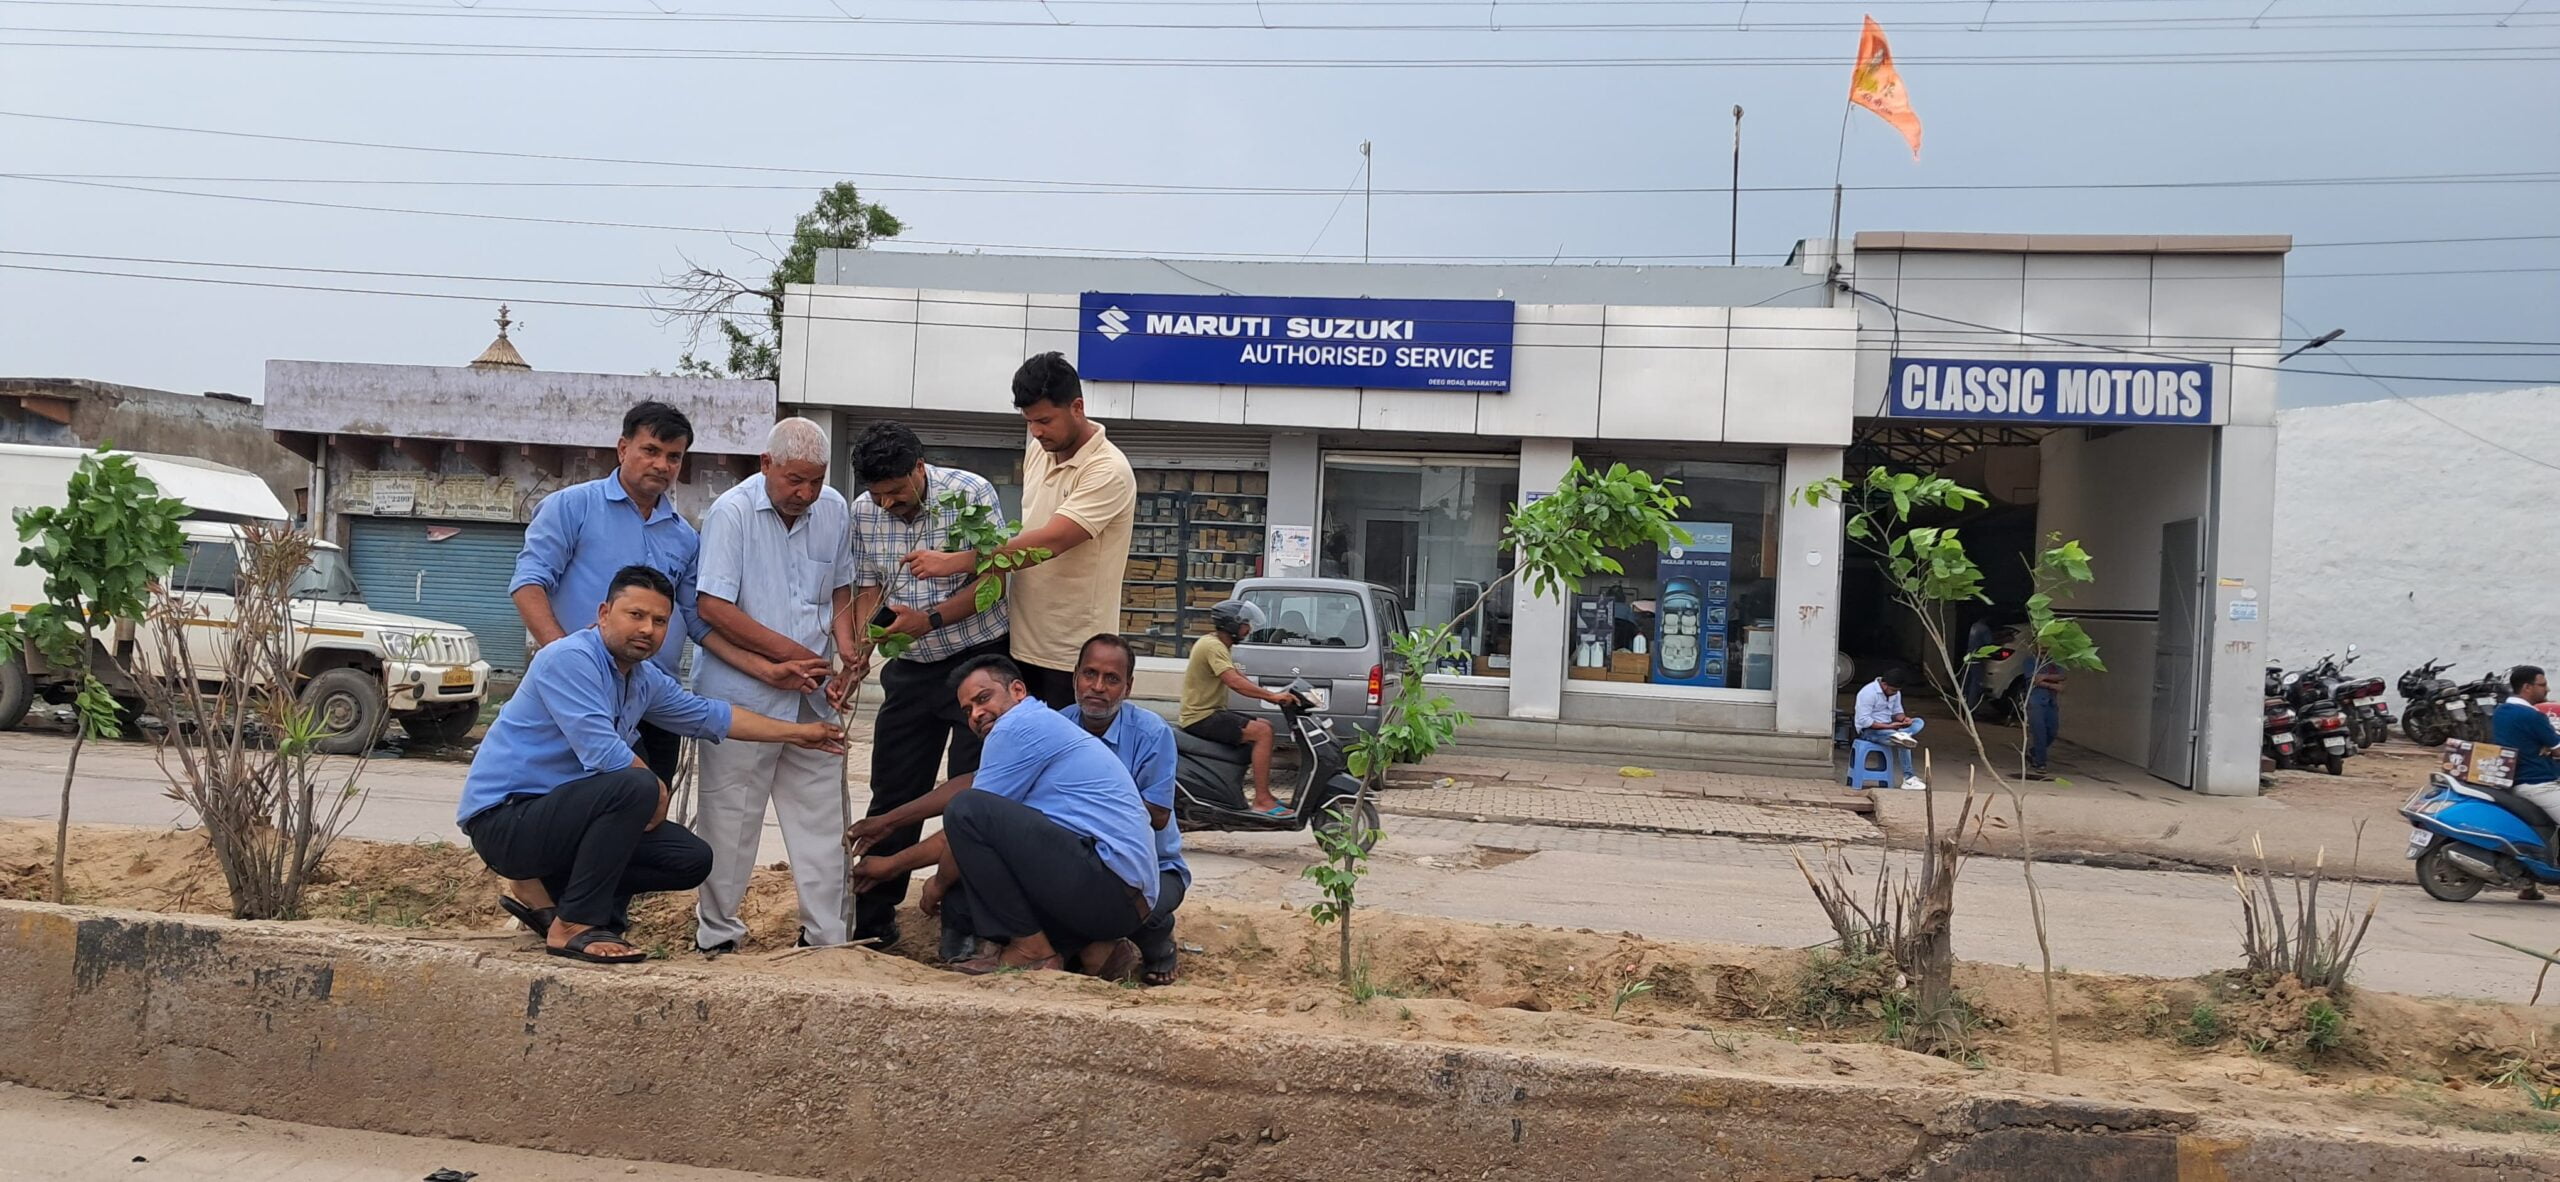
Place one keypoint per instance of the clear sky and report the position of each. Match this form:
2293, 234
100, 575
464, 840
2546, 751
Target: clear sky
1632, 96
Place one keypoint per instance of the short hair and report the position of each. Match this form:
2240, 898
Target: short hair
1898, 676
796, 440
2522, 676
636, 575
886, 450
1049, 378
662, 420
1108, 640
996, 663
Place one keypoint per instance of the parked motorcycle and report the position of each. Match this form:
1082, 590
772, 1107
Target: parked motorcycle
2435, 709
2368, 712
2278, 745
2469, 833
2484, 697
2322, 733
1210, 778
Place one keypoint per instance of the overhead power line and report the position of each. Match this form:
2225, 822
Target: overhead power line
1327, 191
2478, 20
2472, 55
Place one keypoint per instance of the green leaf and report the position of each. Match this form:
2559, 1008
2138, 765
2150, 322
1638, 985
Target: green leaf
989, 592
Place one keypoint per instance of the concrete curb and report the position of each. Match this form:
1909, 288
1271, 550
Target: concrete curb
1386, 809
853, 1081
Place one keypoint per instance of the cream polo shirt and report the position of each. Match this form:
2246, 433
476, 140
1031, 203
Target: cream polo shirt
1063, 602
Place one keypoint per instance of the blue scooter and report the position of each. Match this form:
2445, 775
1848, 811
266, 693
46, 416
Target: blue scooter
2470, 836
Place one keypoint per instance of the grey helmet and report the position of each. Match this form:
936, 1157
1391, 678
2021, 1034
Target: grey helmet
1238, 617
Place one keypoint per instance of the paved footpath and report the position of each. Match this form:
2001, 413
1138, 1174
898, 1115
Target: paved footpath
1634, 811
57, 1138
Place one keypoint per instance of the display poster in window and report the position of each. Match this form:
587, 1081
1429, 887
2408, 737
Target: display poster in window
1691, 612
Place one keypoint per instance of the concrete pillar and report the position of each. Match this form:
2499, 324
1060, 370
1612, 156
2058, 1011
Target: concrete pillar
1538, 625
2240, 564
1808, 605
1297, 479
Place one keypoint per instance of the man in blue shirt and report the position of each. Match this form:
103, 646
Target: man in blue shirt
2519, 725
1049, 834
1144, 742
558, 801
584, 533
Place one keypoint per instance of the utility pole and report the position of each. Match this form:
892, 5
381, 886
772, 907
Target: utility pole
1368, 195
1733, 241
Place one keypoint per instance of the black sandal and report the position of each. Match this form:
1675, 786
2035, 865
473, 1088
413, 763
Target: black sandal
576, 948
536, 918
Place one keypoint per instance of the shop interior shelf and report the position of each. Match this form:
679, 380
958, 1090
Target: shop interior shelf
1246, 553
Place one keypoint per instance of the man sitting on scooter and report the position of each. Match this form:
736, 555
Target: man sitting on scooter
1206, 683
2520, 726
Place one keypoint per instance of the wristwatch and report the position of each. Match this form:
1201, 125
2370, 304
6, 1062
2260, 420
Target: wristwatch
933, 620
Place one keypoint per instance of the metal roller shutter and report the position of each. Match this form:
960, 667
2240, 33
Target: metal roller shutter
454, 571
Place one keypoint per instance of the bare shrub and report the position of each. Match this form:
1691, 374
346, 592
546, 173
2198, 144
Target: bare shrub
1907, 920
2304, 944
238, 745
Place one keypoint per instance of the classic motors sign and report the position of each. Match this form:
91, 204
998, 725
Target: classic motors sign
1296, 341
2083, 392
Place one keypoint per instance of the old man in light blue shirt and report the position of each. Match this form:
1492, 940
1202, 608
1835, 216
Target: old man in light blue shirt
776, 582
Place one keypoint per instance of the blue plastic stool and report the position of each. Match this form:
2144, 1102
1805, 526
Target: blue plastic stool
1861, 775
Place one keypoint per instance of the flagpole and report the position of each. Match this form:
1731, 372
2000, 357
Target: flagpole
1733, 232
1838, 160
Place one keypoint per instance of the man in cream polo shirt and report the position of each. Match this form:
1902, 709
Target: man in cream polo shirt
1079, 499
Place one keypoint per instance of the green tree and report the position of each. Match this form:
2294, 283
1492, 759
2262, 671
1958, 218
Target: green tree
100, 550
705, 298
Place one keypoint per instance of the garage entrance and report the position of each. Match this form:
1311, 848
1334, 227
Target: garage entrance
2136, 497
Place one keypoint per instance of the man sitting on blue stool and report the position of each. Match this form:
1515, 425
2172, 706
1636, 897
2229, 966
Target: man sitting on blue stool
1880, 720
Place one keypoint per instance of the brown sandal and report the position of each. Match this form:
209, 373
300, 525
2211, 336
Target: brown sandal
1121, 964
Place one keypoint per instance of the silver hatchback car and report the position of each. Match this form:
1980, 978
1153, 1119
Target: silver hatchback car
1337, 633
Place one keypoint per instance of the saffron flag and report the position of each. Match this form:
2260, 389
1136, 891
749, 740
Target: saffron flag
1877, 86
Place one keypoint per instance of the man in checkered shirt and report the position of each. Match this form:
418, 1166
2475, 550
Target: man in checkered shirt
920, 720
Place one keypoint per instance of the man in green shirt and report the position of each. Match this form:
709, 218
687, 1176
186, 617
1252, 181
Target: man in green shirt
1205, 683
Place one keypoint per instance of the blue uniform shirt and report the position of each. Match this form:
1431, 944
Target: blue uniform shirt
583, 533
2517, 725
1033, 755
576, 716
1144, 742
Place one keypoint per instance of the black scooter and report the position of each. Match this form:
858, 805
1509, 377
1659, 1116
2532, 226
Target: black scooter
1210, 778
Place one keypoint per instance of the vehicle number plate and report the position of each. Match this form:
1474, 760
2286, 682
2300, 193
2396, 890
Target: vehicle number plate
455, 677
2334, 743
2419, 840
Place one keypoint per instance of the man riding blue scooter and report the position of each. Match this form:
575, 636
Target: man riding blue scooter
2491, 821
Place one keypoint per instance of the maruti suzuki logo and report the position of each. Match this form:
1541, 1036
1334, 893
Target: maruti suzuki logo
1114, 323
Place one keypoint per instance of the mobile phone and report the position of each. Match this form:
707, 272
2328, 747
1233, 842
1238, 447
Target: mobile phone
884, 617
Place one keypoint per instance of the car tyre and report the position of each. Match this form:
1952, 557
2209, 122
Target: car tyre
350, 708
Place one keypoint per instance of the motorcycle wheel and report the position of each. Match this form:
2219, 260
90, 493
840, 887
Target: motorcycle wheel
2423, 734
1328, 824
2334, 764
2444, 881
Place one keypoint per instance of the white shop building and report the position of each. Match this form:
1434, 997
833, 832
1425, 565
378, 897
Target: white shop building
1378, 421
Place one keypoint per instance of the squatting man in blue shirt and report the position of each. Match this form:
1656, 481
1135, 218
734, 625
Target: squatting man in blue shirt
1048, 837
560, 800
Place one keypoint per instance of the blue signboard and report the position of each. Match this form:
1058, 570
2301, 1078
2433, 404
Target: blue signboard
1690, 615
2082, 392
1459, 345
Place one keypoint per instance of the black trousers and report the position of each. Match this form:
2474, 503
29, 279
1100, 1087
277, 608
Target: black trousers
1026, 873
589, 843
919, 720
661, 750
1154, 937
1057, 687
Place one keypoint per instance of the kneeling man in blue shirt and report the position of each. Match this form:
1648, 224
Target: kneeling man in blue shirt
559, 798
1049, 836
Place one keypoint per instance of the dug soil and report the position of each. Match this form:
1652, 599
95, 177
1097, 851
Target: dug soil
2383, 1064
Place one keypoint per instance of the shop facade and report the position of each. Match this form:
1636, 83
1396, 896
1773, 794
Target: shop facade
1378, 422
1696, 374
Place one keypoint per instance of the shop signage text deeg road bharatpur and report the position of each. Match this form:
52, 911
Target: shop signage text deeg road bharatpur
1455, 345
2083, 392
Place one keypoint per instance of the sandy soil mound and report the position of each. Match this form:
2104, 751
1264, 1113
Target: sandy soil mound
2265, 1050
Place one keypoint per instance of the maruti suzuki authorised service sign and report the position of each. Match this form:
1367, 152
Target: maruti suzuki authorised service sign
1456, 345
2082, 392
